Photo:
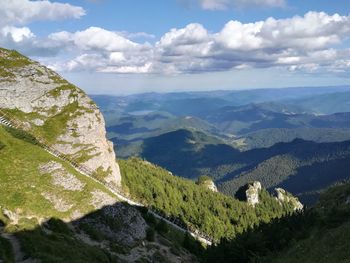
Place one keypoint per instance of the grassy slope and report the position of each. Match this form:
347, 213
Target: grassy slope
329, 237
21, 184
319, 234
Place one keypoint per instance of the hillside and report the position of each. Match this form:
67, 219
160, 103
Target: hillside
130, 131
61, 189
56, 112
211, 212
40, 194
190, 153
320, 234
65, 208
77, 214
302, 167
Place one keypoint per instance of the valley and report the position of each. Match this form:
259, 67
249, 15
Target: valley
273, 136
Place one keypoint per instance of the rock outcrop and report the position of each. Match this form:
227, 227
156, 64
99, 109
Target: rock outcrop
57, 112
249, 193
283, 196
207, 182
252, 193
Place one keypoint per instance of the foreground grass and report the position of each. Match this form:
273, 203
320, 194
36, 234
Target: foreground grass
22, 184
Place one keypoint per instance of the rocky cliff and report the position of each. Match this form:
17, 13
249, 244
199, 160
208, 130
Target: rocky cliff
207, 182
57, 112
283, 196
250, 193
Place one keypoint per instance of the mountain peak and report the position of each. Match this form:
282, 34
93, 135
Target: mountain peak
56, 112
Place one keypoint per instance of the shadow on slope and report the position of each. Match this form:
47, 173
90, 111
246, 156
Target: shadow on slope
115, 233
320, 234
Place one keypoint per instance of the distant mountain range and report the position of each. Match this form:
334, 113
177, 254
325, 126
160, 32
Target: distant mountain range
304, 168
281, 137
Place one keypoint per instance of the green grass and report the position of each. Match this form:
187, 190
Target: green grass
10, 59
54, 126
21, 183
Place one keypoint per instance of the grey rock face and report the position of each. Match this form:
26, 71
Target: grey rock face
61, 177
284, 196
212, 187
252, 193
58, 113
118, 223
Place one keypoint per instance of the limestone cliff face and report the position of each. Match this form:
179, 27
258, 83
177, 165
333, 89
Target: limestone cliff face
252, 193
56, 112
283, 196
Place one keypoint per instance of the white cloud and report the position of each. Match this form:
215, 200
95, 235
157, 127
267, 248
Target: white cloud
309, 43
94, 38
16, 34
98, 38
225, 4
236, 35
273, 42
19, 12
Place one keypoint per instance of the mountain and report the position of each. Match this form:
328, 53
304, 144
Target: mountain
185, 152
263, 122
325, 103
191, 103
60, 182
50, 209
218, 215
254, 117
61, 190
62, 198
304, 168
57, 112
268, 137
130, 131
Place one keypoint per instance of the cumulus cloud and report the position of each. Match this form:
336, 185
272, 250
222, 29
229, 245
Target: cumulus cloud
16, 34
103, 51
19, 12
308, 43
14, 14
225, 4
94, 38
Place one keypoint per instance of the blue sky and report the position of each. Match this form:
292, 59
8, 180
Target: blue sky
128, 46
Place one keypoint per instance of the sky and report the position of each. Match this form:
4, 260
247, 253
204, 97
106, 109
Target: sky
131, 46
